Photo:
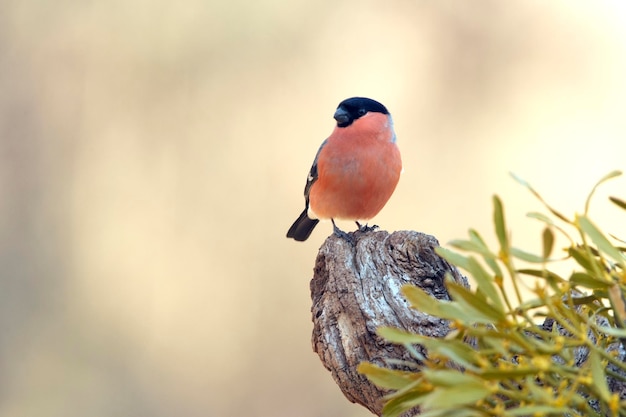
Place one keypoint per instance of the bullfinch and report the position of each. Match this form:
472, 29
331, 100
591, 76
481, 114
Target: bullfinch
355, 170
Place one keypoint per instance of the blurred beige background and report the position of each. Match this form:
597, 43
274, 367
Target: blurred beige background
153, 155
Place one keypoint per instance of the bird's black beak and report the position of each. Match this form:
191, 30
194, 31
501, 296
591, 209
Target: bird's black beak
342, 117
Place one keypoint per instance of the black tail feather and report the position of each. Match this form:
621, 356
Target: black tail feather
301, 229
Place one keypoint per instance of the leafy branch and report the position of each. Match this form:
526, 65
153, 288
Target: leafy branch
558, 352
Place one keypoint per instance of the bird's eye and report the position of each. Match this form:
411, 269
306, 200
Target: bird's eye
361, 112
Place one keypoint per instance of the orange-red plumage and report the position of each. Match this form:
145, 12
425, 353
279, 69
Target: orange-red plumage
356, 169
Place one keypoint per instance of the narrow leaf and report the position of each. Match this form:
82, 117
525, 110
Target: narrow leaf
420, 300
423, 302
541, 217
470, 246
550, 277
387, 378
455, 396
616, 298
401, 403
542, 274
548, 242
455, 350
453, 257
589, 300
613, 331
494, 267
500, 225
619, 202
600, 240
588, 281
500, 374
489, 257
526, 256
582, 257
459, 353
394, 335
450, 378
598, 375
537, 393
473, 307
485, 283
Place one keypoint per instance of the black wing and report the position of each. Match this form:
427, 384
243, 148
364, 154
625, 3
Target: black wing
301, 229
312, 177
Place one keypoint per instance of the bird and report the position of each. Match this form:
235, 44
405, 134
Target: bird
355, 170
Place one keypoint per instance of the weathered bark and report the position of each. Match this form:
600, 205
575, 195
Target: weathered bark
356, 289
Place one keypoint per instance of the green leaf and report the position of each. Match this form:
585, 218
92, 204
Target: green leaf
395, 335
583, 258
526, 256
398, 404
472, 246
531, 305
460, 353
456, 396
387, 378
589, 300
421, 301
537, 393
494, 267
598, 376
476, 237
612, 331
500, 225
489, 257
455, 350
600, 240
450, 378
620, 203
608, 176
485, 283
401, 401
473, 307
541, 217
465, 245
588, 281
500, 374
495, 343
453, 257
618, 303
552, 278
548, 242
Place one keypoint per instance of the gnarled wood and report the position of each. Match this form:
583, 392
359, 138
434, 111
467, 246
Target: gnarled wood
356, 289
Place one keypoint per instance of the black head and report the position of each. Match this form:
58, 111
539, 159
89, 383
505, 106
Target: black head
351, 109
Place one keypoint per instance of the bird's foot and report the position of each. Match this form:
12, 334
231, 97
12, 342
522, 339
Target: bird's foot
349, 237
364, 228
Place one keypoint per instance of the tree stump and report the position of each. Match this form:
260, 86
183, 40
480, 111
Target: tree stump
356, 289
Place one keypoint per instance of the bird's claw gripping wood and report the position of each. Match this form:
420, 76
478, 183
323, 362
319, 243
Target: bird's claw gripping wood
349, 237
364, 228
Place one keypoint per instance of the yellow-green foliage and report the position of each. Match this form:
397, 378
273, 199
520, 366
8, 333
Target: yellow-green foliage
552, 354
